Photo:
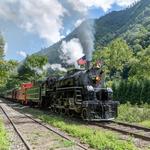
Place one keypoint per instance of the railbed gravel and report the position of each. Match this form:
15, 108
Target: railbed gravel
14, 139
38, 137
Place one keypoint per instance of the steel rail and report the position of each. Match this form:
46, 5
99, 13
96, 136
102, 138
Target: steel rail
16, 130
49, 128
57, 132
132, 125
132, 133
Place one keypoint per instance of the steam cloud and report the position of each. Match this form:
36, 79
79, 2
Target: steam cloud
86, 36
76, 48
83, 45
48, 66
38, 70
54, 67
71, 51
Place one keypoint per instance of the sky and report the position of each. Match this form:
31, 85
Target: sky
29, 26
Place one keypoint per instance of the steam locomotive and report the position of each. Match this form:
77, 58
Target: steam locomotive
79, 92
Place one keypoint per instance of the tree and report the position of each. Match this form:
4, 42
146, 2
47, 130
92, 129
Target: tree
117, 56
2, 45
6, 67
32, 68
140, 65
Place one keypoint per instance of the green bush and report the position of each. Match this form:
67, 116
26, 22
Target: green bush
134, 113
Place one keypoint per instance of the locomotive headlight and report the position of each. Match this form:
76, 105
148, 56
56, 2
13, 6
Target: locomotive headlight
98, 78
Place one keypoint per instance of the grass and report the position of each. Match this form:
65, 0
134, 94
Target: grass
68, 143
4, 143
96, 138
135, 114
145, 123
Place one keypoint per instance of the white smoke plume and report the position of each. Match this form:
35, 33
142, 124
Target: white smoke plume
54, 67
78, 22
86, 35
38, 70
71, 51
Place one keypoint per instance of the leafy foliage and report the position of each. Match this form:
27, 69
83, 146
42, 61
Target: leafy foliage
2, 45
32, 68
140, 66
6, 67
136, 92
116, 56
134, 113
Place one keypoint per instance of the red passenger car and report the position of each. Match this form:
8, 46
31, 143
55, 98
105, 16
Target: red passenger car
20, 94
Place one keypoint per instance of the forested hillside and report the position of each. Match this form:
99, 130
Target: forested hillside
131, 24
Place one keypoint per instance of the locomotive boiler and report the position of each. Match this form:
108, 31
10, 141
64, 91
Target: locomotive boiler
80, 92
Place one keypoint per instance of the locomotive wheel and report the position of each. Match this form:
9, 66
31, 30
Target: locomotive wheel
59, 111
55, 110
66, 111
52, 109
43, 103
62, 111
85, 114
71, 113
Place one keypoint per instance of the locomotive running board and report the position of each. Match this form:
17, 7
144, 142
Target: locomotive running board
110, 119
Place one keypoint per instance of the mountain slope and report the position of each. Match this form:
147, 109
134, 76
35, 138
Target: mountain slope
132, 24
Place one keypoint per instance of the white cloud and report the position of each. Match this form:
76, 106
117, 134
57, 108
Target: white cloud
22, 53
78, 22
68, 31
43, 17
46, 17
126, 2
84, 5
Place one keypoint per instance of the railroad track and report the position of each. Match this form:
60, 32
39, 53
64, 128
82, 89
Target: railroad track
28, 147
124, 128
57, 132
127, 129
26, 144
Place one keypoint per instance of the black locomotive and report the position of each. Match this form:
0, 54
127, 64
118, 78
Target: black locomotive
80, 92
